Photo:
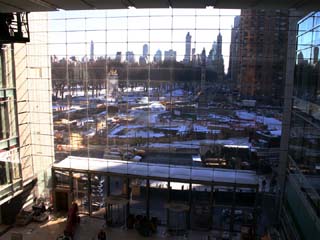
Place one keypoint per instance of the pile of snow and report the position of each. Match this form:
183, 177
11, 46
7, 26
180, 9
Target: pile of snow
141, 134
153, 106
219, 118
134, 89
176, 93
244, 115
179, 128
271, 123
118, 129
195, 144
203, 129
276, 132
157, 106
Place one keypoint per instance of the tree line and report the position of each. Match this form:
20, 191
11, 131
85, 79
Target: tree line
92, 75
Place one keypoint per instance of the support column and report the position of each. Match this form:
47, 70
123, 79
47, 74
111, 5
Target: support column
232, 209
255, 211
89, 194
108, 194
286, 116
148, 199
128, 195
211, 206
71, 191
54, 185
190, 205
168, 201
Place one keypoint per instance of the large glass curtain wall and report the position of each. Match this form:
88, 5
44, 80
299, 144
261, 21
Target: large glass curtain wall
186, 88
128, 83
304, 153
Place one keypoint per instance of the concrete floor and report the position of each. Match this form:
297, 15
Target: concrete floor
89, 228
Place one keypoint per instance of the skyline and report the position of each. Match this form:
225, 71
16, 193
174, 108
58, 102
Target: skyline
112, 31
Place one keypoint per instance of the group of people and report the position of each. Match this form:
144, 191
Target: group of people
272, 184
102, 235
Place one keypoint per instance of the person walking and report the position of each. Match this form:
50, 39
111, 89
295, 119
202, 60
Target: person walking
102, 235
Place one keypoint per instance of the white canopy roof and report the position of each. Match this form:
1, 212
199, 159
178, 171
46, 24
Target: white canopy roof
163, 171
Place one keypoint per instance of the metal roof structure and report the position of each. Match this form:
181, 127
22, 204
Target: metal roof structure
165, 172
53, 5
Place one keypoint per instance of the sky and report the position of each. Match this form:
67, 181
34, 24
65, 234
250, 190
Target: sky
70, 32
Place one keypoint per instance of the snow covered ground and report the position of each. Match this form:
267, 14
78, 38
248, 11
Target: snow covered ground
195, 144
273, 124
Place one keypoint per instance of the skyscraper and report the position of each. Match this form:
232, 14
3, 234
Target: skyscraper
130, 57
219, 45
187, 55
118, 57
215, 58
158, 56
170, 55
234, 52
145, 51
92, 50
263, 35
194, 56
145, 55
142, 60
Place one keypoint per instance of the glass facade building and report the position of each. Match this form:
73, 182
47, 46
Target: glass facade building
26, 139
302, 187
10, 167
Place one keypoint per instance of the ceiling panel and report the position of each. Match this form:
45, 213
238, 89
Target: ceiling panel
151, 4
27, 5
71, 4
109, 4
51, 5
191, 3
8, 8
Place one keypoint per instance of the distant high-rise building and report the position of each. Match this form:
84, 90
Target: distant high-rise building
145, 55
219, 45
214, 48
142, 60
188, 49
170, 56
219, 62
158, 56
215, 58
92, 50
145, 51
234, 52
118, 57
203, 57
262, 54
203, 61
130, 57
194, 56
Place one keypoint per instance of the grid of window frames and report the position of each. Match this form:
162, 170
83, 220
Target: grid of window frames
304, 151
162, 85
305, 133
9, 157
184, 87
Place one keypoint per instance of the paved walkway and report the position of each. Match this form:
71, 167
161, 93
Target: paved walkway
89, 228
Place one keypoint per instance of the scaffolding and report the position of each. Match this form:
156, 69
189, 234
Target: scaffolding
14, 28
